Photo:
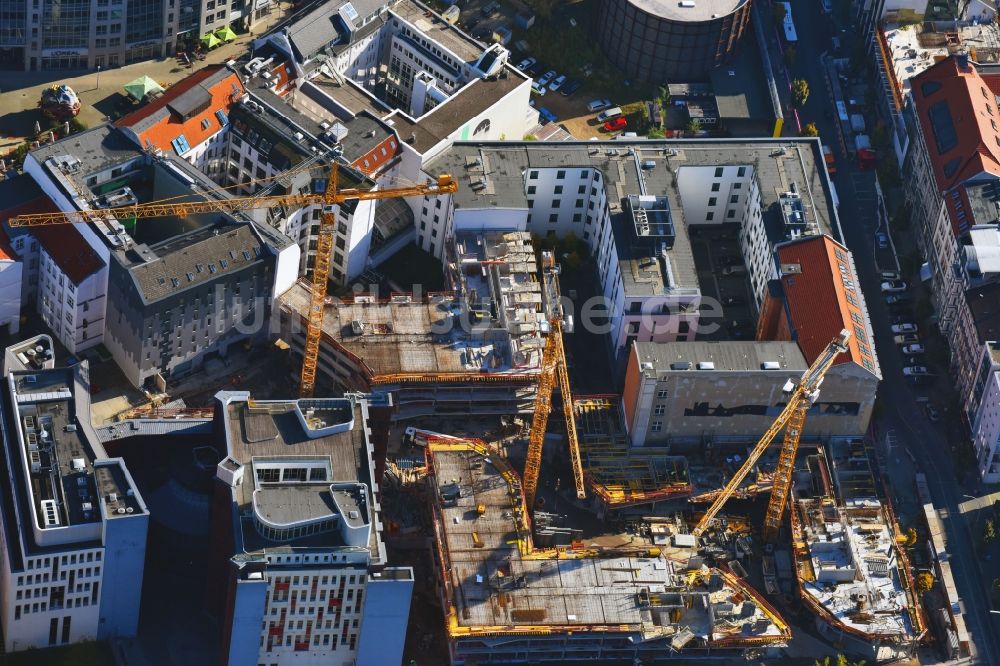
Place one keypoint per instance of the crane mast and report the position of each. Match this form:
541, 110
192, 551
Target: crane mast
331, 197
554, 370
792, 418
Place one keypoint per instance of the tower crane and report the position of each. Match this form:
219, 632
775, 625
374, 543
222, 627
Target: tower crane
330, 198
553, 371
792, 419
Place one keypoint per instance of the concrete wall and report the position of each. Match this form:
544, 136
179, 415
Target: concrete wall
124, 560
383, 622
11, 277
247, 614
986, 431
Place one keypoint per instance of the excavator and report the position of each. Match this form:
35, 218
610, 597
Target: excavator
330, 199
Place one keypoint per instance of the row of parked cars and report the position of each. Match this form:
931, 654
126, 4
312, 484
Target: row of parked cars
550, 81
905, 332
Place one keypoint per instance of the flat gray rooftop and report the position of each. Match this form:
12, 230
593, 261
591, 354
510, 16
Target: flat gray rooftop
725, 356
699, 10
440, 31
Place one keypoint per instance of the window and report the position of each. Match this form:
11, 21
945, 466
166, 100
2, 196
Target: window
532, 175
710, 216
560, 175
731, 214
582, 189
718, 172
661, 394
531, 190
553, 218
734, 199
657, 426
658, 410
712, 201
741, 172
715, 187
555, 203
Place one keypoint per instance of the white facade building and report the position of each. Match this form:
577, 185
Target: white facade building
73, 550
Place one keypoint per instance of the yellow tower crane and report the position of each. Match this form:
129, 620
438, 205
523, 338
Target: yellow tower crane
553, 370
331, 197
792, 418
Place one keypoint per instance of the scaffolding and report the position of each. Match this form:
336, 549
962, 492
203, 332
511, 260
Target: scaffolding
619, 475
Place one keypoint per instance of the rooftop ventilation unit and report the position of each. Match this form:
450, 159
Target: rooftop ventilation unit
770, 365
50, 514
706, 365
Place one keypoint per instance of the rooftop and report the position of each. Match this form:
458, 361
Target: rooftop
438, 334
699, 11
71, 484
660, 597
912, 51
431, 24
822, 296
720, 356
69, 250
190, 109
35, 353
305, 468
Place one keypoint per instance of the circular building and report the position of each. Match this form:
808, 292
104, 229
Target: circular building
661, 41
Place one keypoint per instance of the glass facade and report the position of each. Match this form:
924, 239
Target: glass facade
653, 49
145, 23
13, 17
66, 25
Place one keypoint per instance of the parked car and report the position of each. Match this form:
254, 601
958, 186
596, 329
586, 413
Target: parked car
904, 328
883, 240
534, 69
615, 124
571, 87
915, 348
525, 64
537, 89
915, 370
608, 114
544, 79
897, 299
905, 339
546, 115
598, 105
556, 82
893, 286
933, 415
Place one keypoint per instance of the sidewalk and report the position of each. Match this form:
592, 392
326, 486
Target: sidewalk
20, 91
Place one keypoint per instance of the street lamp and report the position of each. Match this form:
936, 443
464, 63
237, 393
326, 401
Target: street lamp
98, 77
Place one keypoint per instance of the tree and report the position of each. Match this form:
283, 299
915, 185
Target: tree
989, 532
664, 97
910, 538
842, 660
800, 93
810, 130
694, 125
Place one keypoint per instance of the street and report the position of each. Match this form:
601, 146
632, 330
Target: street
900, 411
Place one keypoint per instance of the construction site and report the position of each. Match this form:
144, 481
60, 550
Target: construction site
637, 558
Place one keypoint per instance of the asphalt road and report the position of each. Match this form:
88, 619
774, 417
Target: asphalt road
930, 449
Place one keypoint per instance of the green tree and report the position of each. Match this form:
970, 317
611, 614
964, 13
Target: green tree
810, 130
656, 133
664, 97
800, 93
989, 532
841, 660
694, 125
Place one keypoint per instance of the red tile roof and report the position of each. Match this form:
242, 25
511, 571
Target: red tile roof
67, 247
960, 118
159, 122
822, 297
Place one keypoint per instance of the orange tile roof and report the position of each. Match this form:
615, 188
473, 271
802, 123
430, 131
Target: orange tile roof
20, 195
960, 118
819, 302
162, 121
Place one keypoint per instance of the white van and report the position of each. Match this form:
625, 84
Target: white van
605, 116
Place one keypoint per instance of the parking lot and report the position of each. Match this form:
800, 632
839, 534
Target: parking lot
572, 23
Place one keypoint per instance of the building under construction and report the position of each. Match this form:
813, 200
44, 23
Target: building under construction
475, 349
851, 571
507, 601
